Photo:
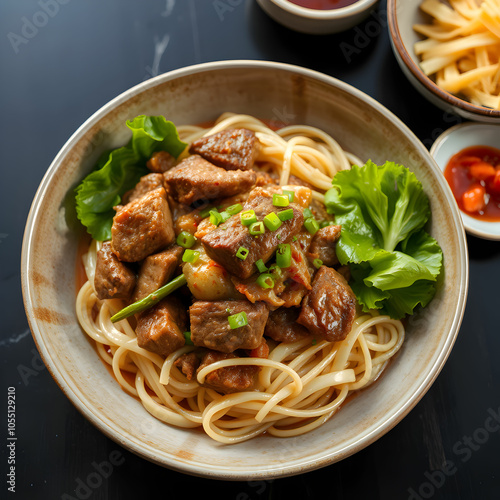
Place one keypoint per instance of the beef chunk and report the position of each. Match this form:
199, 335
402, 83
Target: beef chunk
113, 279
146, 184
323, 245
282, 325
195, 178
230, 149
188, 364
328, 310
230, 378
223, 243
210, 326
156, 270
142, 227
161, 328
160, 162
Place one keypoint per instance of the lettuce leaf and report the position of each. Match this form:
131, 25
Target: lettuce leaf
120, 170
394, 261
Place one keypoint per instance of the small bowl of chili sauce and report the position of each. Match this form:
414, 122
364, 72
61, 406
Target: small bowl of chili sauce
469, 156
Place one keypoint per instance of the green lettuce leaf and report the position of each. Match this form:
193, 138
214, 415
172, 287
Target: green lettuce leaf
120, 170
394, 262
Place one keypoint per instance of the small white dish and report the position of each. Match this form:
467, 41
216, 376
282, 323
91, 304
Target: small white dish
316, 21
454, 140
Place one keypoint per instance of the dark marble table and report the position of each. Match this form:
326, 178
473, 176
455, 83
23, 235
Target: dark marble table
63, 59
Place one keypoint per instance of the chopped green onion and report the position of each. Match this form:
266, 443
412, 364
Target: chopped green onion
256, 228
265, 281
234, 209
317, 263
205, 212
187, 338
284, 255
280, 200
307, 213
248, 217
190, 256
294, 238
185, 239
286, 214
290, 194
276, 270
215, 217
272, 221
327, 223
311, 224
225, 215
261, 266
237, 320
242, 253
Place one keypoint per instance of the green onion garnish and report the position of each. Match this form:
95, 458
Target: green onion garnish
286, 214
205, 212
237, 320
242, 253
185, 239
248, 217
317, 263
284, 255
311, 224
327, 223
187, 338
272, 221
290, 194
190, 256
265, 281
261, 266
307, 213
280, 200
224, 216
256, 228
234, 209
276, 270
215, 217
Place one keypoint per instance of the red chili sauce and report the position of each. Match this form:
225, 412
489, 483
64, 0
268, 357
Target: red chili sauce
323, 4
474, 177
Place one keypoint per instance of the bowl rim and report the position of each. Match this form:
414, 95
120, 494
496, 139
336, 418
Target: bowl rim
312, 462
470, 223
340, 13
416, 71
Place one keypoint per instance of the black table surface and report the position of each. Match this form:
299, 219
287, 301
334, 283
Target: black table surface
61, 60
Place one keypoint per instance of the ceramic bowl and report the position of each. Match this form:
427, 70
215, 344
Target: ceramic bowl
198, 94
317, 22
454, 140
402, 15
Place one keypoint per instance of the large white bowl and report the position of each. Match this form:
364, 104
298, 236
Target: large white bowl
402, 15
197, 94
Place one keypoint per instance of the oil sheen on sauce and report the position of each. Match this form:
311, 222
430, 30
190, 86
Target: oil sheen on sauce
323, 4
474, 177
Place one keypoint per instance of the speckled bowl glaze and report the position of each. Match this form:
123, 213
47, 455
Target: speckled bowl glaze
315, 21
401, 16
193, 95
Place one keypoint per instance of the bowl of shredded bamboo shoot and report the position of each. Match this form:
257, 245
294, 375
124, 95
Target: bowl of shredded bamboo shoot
450, 52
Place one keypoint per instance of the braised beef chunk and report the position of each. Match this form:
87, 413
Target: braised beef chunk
210, 326
188, 364
157, 270
223, 243
230, 149
195, 178
160, 162
142, 227
328, 310
228, 379
323, 245
145, 185
161, 328
113, 279
282, 325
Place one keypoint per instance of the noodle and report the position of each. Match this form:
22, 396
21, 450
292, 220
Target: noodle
462, 48
301, 384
